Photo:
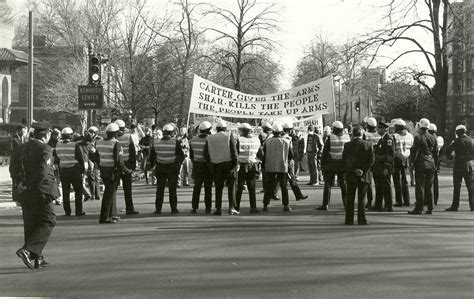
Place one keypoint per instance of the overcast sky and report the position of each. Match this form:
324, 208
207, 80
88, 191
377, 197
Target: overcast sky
302, 20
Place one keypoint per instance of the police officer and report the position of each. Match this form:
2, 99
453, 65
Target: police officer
314, 148
424, 155
263, 137
93, 173
33, 164
373, 137
109, 156
18, 139
358, 156
463, 147
130, 161
166, 156
221, 155
201, 173
333, 164
403, 143
249, 151
71, 167
277, 151
384, 152
432, 129
289, 134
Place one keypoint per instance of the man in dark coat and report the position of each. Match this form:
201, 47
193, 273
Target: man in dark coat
424, 156
33, 167
463, 146
358, 156
16, 140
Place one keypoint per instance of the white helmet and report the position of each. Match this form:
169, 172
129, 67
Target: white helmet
113, 127
461, 127
337, 125
67, 131
221, 124
168, 128
399, 122
432, 127
277, 128
288, 125
424, 123
93, 129
120, 123
245, 126
205, 125
372, 122
365, 119
327, 129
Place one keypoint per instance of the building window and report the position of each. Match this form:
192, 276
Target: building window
458, 87
472, 62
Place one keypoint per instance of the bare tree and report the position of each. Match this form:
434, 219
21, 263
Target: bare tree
435, 20
241, 34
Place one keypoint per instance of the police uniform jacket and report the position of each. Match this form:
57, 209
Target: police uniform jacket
129, 156
37, 161
358, 154
68, 155
221, 148
249, 153
384, 151
196, 154
109, 157
277, 151
166, 155
331, 159
424, 153
403, 144
464, 149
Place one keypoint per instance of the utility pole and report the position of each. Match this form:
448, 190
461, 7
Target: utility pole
29, 116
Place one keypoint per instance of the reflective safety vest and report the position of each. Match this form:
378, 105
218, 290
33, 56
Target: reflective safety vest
372, 137
248, 149
276, 154
403, 144
66, 152
105, 148
218, 146
165, 150
125, 141
197, 144
337, 145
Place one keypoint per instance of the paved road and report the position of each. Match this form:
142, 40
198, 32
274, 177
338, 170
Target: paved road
304, 254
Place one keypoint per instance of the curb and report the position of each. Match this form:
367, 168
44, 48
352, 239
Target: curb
8, 205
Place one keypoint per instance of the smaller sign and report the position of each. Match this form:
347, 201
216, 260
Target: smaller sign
91, 97
106, 120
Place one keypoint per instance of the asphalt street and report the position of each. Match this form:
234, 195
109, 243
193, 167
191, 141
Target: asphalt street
302, 254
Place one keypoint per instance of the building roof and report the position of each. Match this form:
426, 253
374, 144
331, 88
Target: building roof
14, 58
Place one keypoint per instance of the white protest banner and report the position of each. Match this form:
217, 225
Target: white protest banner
316, 121
316, 97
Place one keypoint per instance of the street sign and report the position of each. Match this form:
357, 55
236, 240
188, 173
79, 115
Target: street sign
91, 97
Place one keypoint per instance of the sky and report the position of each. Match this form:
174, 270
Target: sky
302, 20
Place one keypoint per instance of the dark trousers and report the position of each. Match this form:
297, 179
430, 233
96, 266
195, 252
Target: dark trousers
38, 222
424, 183
264, 185
127, 191
94, 184
108, 207
457, 182
273, 178
370, 190
71, 176
400, 183
292, 180
383, 191
220, 179
199, 179
248, 178
329, 181
361, 188
312, 167
161, 179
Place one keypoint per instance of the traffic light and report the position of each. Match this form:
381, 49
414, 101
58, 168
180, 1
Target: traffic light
95, 69
357, 107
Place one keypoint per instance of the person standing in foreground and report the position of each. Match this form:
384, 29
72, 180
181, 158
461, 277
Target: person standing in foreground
432, 129
314, 147
248, 149
463, 146
34, 167
373, 137
403, 143
18, 139
358, 156
384, 151
166, 156
221, 157
109, 156
424, 155
201, 172
277, 151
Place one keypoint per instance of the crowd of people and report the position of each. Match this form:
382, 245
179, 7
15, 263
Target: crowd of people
216, 157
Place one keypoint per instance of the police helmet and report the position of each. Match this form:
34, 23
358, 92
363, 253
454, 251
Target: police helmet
461, 127
432, 127
205, 125
337, 125
93, 129
288, 125
372, 122
245, 126
67, 131
277, 128
120, 123
221, 124
424, 123
168, 128
111, 128
399, 122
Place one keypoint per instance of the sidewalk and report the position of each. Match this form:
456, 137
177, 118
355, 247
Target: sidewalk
5, 189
